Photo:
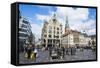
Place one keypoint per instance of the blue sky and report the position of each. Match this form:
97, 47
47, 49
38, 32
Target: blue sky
30, 11
81, 19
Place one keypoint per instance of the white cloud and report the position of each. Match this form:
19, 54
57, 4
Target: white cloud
91, 32
80, 25
41, 17
44, 17
73, 14
36, 30
77, 18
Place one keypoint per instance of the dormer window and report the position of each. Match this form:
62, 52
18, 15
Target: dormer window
54, 18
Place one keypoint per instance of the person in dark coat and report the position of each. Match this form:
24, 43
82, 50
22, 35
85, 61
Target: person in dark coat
29, 51
59, 53
73, 50
63, 51
67, 53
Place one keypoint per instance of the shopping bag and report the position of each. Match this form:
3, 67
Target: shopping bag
32, 56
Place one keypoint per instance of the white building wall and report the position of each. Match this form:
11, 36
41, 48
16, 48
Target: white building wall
50, 31
68, 41
88, 39
82, 40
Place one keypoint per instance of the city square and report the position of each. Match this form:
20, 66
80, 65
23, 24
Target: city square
44, 56
56, 36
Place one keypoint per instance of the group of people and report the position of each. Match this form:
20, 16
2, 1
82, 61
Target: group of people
61, 52
71, 51
30, 52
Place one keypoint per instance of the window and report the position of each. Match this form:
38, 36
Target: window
54, 20
22, 35
25, 22
44, 40
49, 36
54, 36
57, 28
44, 30
49, 41
23, 25
23, 30
57, 36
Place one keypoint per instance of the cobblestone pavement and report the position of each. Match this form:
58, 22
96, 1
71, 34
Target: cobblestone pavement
43, 56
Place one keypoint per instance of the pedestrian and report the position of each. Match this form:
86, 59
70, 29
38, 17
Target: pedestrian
35, 52
50, 49
66, 51
29, 53
59, 53
63, 51
25, 49
26, 52
73, 50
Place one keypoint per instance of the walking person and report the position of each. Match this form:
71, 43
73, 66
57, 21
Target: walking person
35, 53
29, 52
50, 49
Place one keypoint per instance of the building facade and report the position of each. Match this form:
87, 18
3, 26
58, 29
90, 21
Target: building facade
51, 32
25, 34
74, 38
